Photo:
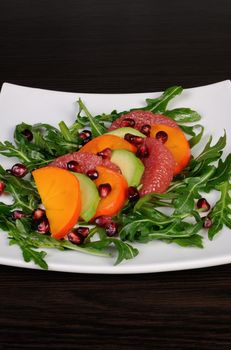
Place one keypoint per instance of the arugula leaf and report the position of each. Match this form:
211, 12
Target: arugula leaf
191, 130
125, 250
16, 236
221, 212
183, 115
212, 153
221, 174
97, 128
192, 241
159, 104
185, 202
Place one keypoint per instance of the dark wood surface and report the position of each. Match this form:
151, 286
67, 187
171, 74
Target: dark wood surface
115, 46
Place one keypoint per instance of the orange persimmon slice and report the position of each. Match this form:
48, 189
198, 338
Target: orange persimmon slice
99, 143
176, 143
60, 194
115, 200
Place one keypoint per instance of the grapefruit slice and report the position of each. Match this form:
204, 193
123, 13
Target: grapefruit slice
60, 194
143, 118
159, 167
176, 143
86, 161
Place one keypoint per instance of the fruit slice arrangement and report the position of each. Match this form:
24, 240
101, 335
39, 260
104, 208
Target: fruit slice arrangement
141, 150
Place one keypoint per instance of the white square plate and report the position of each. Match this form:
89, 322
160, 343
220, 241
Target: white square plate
213, 102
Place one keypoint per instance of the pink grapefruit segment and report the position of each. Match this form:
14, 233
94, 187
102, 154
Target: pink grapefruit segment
159, 167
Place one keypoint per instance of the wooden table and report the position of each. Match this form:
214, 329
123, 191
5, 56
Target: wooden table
112, 47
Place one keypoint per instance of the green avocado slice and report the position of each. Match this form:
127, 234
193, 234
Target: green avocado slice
121, 132
89, 197
131, 167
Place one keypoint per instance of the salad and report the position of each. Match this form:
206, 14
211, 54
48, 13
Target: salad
107, 181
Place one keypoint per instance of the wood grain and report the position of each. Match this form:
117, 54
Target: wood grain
115, 46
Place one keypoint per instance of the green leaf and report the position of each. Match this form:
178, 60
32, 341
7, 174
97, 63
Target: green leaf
196, 136
211, 153
185, 202
192, 241
183, 115
221, 212
159, 104
221, 174
97, 128
125, 250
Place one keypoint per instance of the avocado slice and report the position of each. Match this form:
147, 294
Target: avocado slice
126, 130
131, 167
89, 197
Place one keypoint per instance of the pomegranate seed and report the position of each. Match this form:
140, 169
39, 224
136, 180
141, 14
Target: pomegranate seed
27, 134
85, 135
19, 170
43, 225
103, 220
17, 214
138, 140
2, 187
73, 166
146, 129
142, 151
84, 231
111, 229
105, 153
207, 222
128, 122
75, 238
129, 137
135, 140
38, 214
93, 174
203, 205
133, 194
104, 190
162, 136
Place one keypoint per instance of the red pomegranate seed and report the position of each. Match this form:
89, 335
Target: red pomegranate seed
84, 231
93, 174
17, 214
128, 122
104, 190
2, 187
43, 226
135, 140
146, 129
85, 135
138, 140
38, 214
73, 166
111, 229
19, 170
203, 205
162, 136
133, 194
207, 222
129, 137
27, 134
142, 151
103, 220
105, 153
75, 238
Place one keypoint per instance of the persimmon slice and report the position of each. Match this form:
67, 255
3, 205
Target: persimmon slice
115, 200
99, 143
176, 143
60, 194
